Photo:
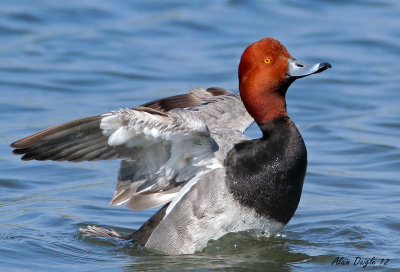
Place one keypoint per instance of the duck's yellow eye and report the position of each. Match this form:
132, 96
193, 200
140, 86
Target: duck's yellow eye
267, 60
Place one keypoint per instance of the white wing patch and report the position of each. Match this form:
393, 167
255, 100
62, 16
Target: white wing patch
166, 150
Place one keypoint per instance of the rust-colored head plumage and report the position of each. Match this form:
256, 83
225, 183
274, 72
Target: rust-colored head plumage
262, 78
266, 70
266, 51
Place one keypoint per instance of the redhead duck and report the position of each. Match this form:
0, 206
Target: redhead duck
188, 153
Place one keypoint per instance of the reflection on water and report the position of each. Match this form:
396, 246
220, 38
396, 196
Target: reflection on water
65, 60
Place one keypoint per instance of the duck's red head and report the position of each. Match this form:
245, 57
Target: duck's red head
266, 70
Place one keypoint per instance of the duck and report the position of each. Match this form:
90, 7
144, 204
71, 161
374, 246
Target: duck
188, 154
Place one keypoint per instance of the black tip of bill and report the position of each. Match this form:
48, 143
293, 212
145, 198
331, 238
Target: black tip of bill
323, 67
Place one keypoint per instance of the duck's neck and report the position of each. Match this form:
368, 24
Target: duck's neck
264, 102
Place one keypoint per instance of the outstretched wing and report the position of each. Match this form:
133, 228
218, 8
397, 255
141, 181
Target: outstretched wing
161, 144
160, 151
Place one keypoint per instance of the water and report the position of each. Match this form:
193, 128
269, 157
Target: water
63, 60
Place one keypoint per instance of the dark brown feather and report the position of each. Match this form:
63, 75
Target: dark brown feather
217, 91
35, 138
183, 100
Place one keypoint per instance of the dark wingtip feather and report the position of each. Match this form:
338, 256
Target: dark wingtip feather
22, 143
39, 145
18, 151
27, 157
30, 140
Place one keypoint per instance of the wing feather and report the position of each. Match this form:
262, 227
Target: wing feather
159, 151
162, 144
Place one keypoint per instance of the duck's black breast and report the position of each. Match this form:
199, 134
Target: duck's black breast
267, 174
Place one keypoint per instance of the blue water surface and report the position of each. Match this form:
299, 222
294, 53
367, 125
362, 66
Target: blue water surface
62, 60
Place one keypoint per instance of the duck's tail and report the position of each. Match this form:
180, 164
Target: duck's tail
141, 235
101, 232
